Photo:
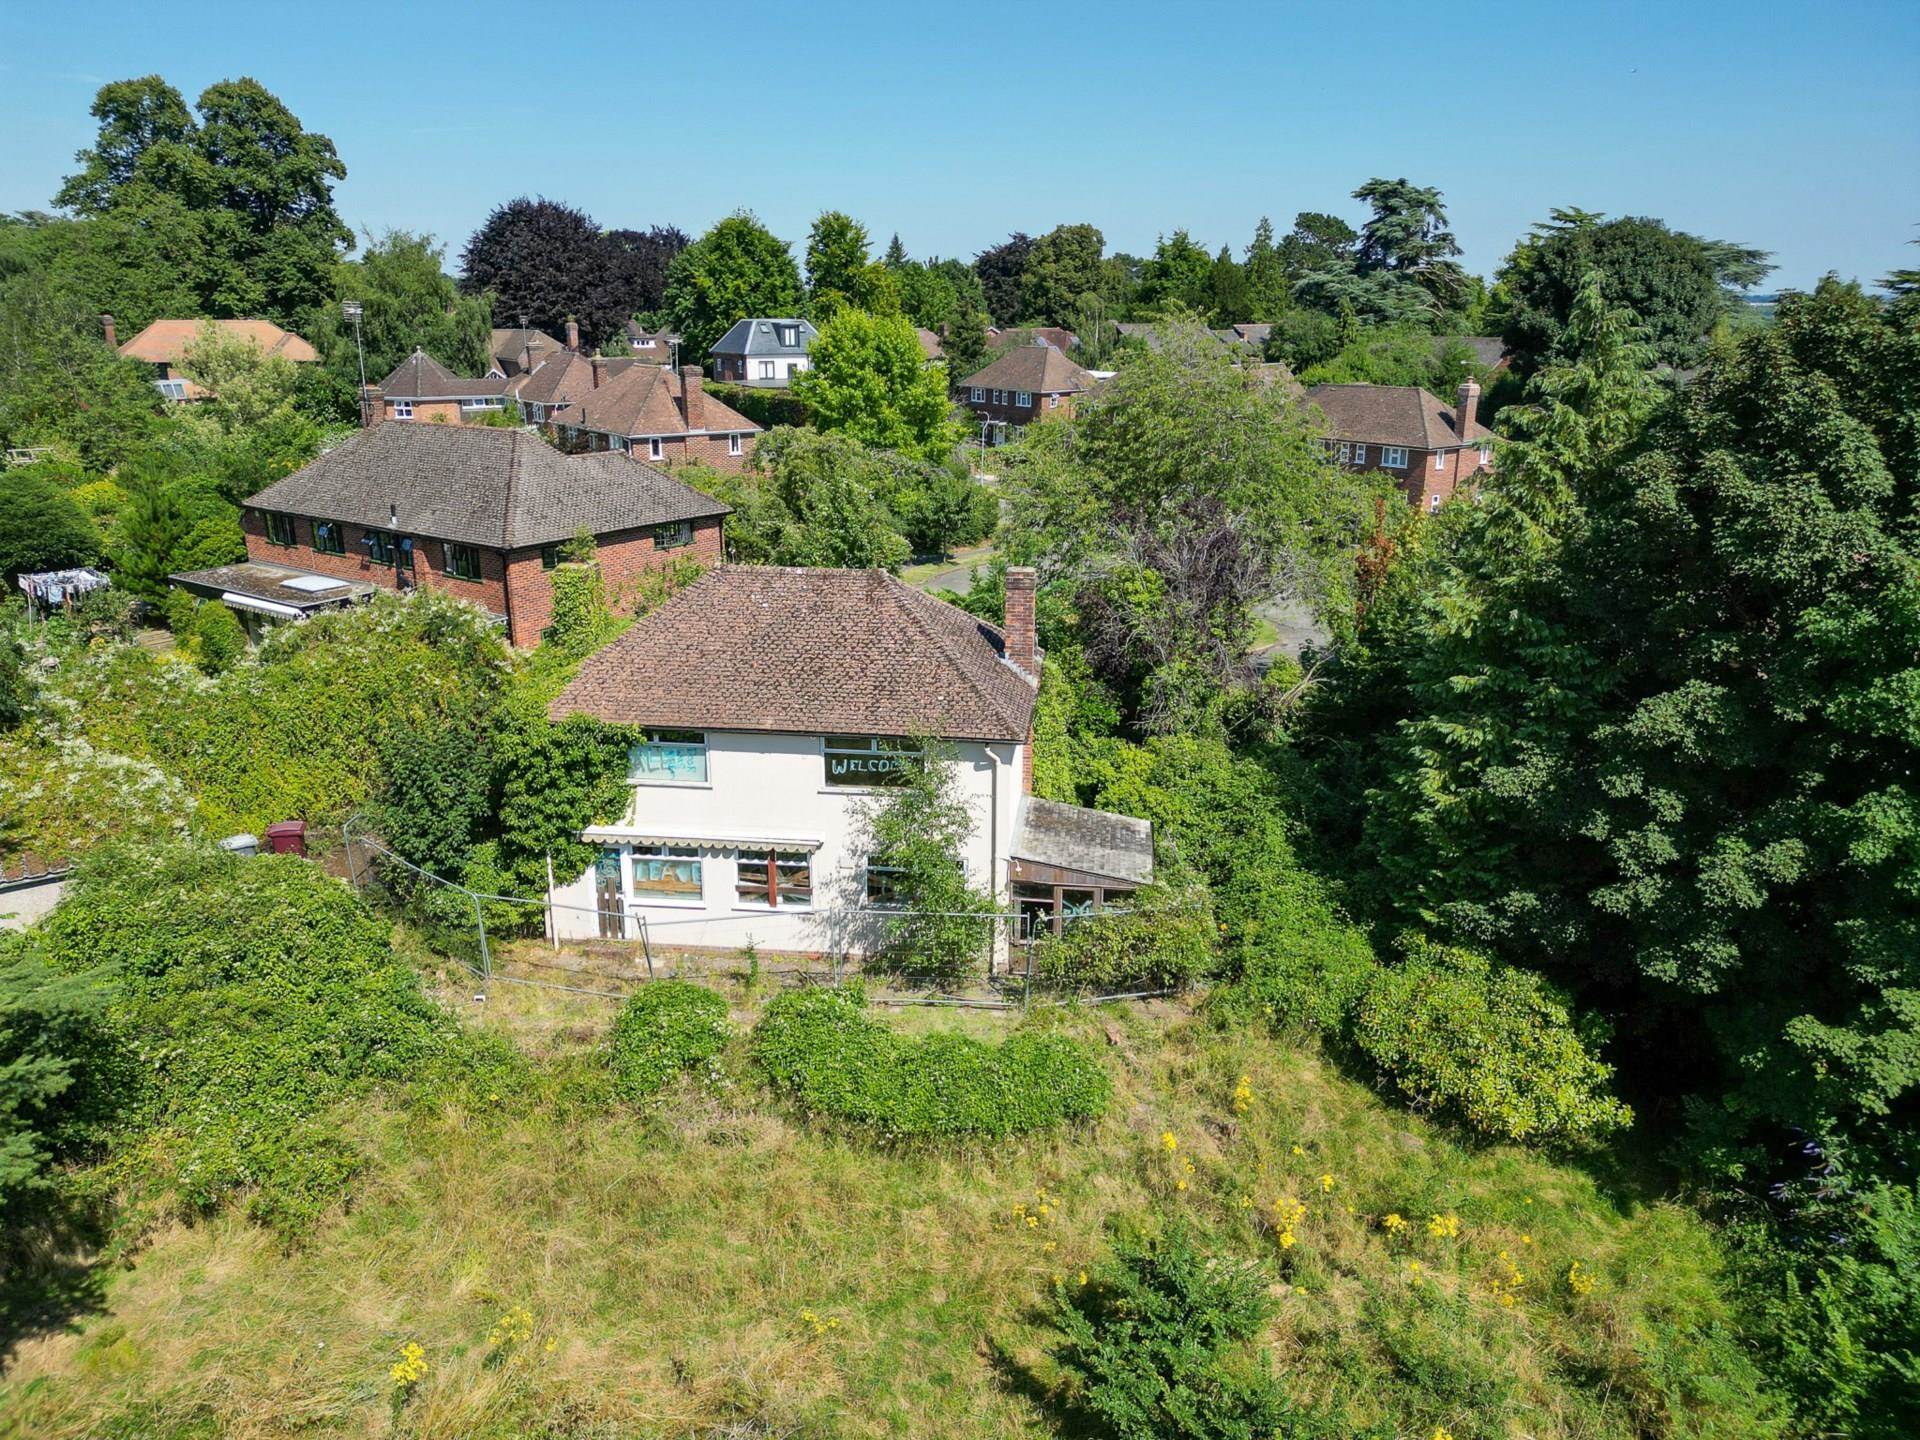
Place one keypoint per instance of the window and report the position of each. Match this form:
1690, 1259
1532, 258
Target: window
171, 389
1023, 398
381, 545
999, 397
1486, 454
463, 562
480, 402
733, 444
329, 537
1053, 402
403, 409
618, 442
671, 537
766, 370
669, 757
1433, 502
1359, 454
279, 528
882, 884
1439, 459
867, 759
1343, 452
789, 335
667, 871
1394, 457
549, 556
782, 879
979, 396
656, 447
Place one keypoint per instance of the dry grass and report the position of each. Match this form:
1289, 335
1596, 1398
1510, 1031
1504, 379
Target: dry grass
671, 1259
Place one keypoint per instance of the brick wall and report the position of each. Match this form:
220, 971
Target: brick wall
1009, 413
674, 449
624, 556
1426, 486
512, 585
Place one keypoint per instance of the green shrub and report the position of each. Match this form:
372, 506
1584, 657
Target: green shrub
1491, 1044
179, 609
219, 640
1161, 938
249, 997
823, 1048
56, 1064
1150, 1342
665, 1030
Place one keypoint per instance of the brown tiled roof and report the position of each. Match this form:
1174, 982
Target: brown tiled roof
1037, 369
515, 345
929, 343
565, 378
421, 377
838, 652
478, 485
165, 342
1391, 415
644, 400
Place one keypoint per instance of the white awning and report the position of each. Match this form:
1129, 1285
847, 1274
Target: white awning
265, 607
711, 839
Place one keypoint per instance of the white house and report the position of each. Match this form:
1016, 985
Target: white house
774, 703
764, 353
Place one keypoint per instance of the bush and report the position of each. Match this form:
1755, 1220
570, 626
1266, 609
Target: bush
55, 1067
179, 609
1162, 939
667, 1029
1491, 1044
249, 997
219, 640
838, 1062
1149, 1346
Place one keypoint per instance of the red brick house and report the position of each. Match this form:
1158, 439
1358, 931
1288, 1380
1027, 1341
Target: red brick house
518, 349
650, 413
1431, 450
478, 512
421, 388
1028, 383
561, 381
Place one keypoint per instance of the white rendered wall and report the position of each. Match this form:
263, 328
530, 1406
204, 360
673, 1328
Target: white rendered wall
772, 789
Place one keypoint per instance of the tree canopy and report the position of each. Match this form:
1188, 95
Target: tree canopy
868, 376
735, 270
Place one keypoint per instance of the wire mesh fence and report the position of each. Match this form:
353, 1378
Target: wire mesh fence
997, 954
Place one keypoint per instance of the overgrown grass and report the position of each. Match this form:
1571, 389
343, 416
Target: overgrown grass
707, 1262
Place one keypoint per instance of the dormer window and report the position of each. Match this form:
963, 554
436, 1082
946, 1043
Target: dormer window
788, 335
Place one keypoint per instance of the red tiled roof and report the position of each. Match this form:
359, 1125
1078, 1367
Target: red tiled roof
644, 400
1392, 415
838, 652
1036, 369
165, 342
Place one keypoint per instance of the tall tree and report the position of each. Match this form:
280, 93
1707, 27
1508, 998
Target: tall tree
637, 266
837, 261
548, 262
1063, 265
1267, 285
1228, 297
868, 377
138, 119
406, 300
1000, 268
1179, 272
1318, 241
737, 269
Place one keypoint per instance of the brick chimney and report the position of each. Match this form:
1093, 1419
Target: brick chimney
1023, 650
1468, 403
573, 334
373, 406
599, 366
693, 397
106, 324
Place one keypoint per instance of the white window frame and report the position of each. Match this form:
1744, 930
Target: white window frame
858, 747
480, 402
1023, 397
735, 443
638, 855
766, 370
867, 871
1433, 502
1343, 452
1439, 459
1359, 454
1053, 402
652, 761
656, 448
1393, 457
1486, 454
403, 409
618, 442
979, 396
756, 860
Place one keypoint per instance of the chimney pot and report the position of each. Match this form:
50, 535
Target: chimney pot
573, 333
1023, 649
373, 406
1464, 410
693, 397
106, 324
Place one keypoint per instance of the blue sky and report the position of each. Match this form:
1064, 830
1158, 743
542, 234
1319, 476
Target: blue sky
1791, 127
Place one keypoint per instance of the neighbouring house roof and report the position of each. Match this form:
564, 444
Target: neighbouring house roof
559, 379
646, 400
1254, 335
421, 377
477, 485
1095, 841
523, 347
166, 342
1037, 369
640, 337
278, 585
929, 343
1392, 415
759, 337
846, 652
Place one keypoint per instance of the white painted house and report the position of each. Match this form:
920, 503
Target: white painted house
774, 703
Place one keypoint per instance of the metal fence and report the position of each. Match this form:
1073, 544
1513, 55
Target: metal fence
468, 926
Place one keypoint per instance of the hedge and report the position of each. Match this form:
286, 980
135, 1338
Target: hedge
668, 1029
824, 1049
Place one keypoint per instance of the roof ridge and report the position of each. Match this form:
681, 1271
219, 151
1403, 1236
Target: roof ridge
945, 641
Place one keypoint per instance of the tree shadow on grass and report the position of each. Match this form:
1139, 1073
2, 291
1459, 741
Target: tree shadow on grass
51, 1277
1019, 1377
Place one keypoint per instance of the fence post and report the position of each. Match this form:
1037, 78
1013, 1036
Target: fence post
553, 920
346, 839
486, 958
1026, 996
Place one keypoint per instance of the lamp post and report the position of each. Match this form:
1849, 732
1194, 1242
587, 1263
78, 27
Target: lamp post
350, 309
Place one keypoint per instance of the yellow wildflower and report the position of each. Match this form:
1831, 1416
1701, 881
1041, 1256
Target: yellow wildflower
1326, 1183
411, 1368
1580, 1280
1444, 1227
1393, 1222
1169, 1141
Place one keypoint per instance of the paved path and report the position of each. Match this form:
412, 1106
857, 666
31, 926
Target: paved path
957, 576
